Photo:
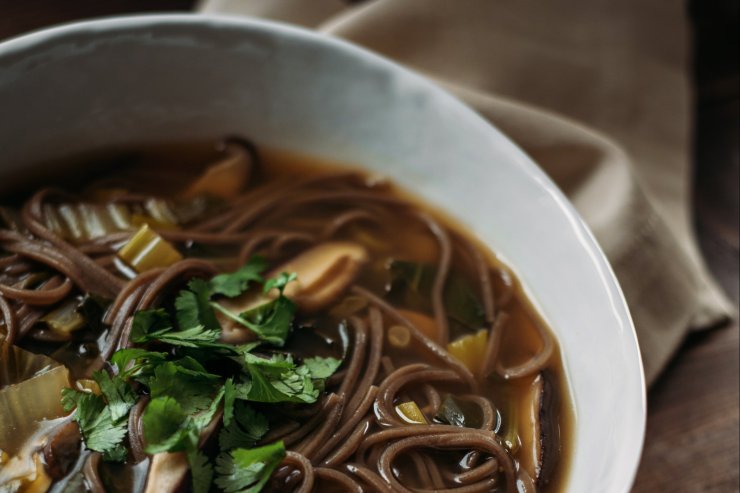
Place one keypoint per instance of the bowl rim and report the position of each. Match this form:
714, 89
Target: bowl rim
609, 280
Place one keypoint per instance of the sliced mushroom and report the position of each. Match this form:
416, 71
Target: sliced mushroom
167, 471
540, 430
227, 177
324, 274
62, 450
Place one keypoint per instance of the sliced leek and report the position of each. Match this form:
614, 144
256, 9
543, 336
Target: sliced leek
147, 250
65, 319
84, 221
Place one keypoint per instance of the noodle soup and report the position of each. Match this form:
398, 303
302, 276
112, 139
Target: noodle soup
243, 320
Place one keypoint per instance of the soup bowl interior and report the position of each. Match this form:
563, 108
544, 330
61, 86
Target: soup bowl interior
145, 80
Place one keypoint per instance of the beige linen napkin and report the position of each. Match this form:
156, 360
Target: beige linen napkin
534, 68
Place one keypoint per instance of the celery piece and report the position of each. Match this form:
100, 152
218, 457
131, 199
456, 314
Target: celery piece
147, 250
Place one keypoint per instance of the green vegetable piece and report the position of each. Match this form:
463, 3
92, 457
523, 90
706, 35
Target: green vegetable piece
194, 337
136, 362
167, 427
279, 379
120, 396
204, 418
235, 283
322, 368
457, 412
229, 400
247, 427
100, 431
148, 322
279, 282
247, 470
276, 379
194, 308
271, 321
201, 470
190, 386
155, 325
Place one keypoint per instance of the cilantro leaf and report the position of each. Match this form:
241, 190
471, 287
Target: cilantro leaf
270, 383
279, 282
120, 396
194, 337
204, 418
229, 398
194, 308
247, 427
279, 379
235, 283
247, 470
116, 454
271, 321
275, 364
134, 361
298, 384
321, 368
146, 322
201, 470
155, 325
167, 427
190, 386
101, 432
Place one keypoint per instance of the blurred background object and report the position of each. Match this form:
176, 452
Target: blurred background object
694, 418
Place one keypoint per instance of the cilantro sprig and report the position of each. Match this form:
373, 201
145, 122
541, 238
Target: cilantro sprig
247, 470
187, 395
270, 321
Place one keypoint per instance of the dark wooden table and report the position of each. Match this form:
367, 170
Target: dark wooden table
693, 419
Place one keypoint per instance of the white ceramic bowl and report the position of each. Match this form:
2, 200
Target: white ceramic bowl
114, 82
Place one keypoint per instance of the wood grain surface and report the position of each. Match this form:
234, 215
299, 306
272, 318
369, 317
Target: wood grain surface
693, 410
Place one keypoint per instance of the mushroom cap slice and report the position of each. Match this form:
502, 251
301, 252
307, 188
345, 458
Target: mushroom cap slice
166, 472
324, 273
227, 177
540, 428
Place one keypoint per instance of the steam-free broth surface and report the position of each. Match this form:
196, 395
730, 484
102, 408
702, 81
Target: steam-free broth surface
227, 317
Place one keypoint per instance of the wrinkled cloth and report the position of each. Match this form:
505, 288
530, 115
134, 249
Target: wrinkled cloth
596, 92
